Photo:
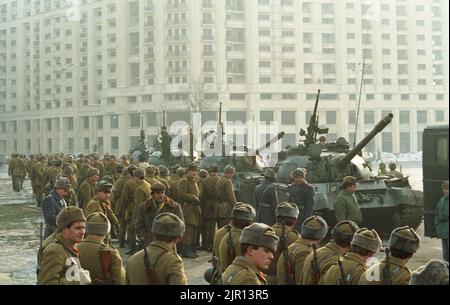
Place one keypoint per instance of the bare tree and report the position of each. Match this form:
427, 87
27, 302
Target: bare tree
201, 96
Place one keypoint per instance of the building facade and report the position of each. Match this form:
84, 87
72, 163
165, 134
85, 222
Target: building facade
79, 75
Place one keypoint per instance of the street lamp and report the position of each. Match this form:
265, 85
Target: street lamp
61, 129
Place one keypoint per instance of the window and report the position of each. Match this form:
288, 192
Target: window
369, 117
289, 96
404, 97
114, 121
114, 142
86, 122
99, 122
331, 117
237, 96
288, 117
135, 120
439, 115
422, 117
151, 119
266, 116
328, 69
266, 96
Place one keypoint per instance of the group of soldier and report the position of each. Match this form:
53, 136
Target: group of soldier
163, 217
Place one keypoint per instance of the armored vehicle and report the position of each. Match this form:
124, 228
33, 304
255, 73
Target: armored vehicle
435, 170
385, 202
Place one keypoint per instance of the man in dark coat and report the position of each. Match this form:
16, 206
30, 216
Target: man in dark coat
302, 194
266, 199
53, 204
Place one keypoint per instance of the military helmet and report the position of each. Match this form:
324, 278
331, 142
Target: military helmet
269, 173
287, 209
229, 169
314, 228
343, 231
243, 211
260, 235
67, 216
63, 183
404, 239
298, 172
203, 173
103, 186
97, 223
139, 172
157, 186
367, 239
168, 224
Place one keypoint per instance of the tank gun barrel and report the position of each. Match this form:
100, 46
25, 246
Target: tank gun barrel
272, 141
378, 128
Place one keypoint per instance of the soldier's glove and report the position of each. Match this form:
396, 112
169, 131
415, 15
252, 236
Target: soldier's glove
85, 277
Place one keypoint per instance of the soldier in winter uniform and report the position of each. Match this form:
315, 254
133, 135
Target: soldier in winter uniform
302, 194
266, 198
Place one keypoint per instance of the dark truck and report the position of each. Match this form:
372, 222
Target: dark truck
435, 170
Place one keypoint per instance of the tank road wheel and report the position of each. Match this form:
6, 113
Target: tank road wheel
410, 215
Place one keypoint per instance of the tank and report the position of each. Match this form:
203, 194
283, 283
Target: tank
385, 203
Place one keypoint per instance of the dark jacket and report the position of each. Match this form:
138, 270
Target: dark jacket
266, 199
51, 206
303, 196
441, 218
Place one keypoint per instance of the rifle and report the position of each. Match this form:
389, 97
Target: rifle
151, 276
216, 278
290, 277
313, 127
230, 249
386, 270
344, 277
315, 272
105, 261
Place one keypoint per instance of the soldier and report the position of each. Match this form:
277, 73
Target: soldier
53, 204
210, 197
434, 272
24, 166
266, 198
302, 194
117, 206
93, 250
393, 172
392, 270
127, 202
39, 179
150, 174
441, 220
158, 263
149, 209
382, 170
98, 164
100, 203
180, 171
71, 198
30, 170
346, 206
87, 187
225, 189
143, 191
290, 266
188, 194
16, 169
163, 176
258, 244
286, 214
143, 162
242, 216
52, 173
318, 262
58, 262
364, 244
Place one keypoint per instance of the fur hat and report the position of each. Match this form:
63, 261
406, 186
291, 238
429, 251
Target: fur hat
350, 179
93, 172
314, 228
260, 235
103, 186
213, 168
151, 170
108, 178
269, 173
158, 186
192, 167
180, 171
229, 169
67, 216
243, 211
63, 183
287, 209
404, 239
168, 224
298, 172
343, 231
139, 172
367, 239
203, 173
435, 272
98, 224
